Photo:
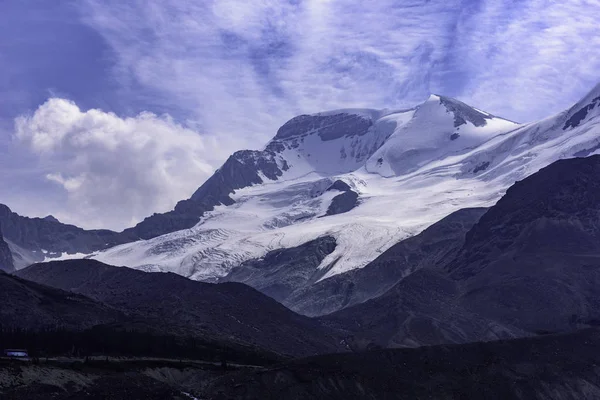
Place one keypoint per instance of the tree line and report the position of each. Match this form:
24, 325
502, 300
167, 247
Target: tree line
108, 341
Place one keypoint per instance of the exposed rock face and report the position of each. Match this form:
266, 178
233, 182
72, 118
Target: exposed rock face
464, 113
528, 266
226, 312
549, 367
51, 218
343, 202
330, 127
37, 234
242, 169
282, 272
581, 114
339, 185
30, 239
6, 258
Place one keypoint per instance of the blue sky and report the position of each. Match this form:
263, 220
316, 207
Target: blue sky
112, 110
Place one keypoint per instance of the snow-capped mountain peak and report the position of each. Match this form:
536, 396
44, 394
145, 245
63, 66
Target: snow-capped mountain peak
329, 143
367, 178
440, 127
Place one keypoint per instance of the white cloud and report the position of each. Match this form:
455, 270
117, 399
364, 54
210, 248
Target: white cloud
116, 171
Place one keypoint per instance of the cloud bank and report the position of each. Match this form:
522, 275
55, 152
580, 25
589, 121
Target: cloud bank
116, 171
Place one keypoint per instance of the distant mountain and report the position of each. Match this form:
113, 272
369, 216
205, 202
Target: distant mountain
33, 239
6, 258
528, 266
230, 311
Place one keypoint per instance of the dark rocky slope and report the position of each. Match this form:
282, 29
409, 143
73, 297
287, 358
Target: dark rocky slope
229, 311
434, 246
282, 272
534, 258
31, 306
529, 266
32, 235
6, 258
422, 309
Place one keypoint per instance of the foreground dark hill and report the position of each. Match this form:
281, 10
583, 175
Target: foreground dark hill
553, 367
31, 306
53, 322
530, 265
230, 311
549, 367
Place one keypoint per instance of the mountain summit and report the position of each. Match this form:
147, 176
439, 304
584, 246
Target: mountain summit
400, 171
364, 178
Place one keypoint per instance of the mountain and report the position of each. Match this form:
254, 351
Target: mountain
346, 184
548, 367
366, 179
280, 273
324, 174
528, 266
6, 258
230, 311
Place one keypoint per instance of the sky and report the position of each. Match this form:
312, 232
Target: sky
112, 110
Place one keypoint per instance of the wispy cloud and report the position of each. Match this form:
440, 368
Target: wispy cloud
258, 63
528, 59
